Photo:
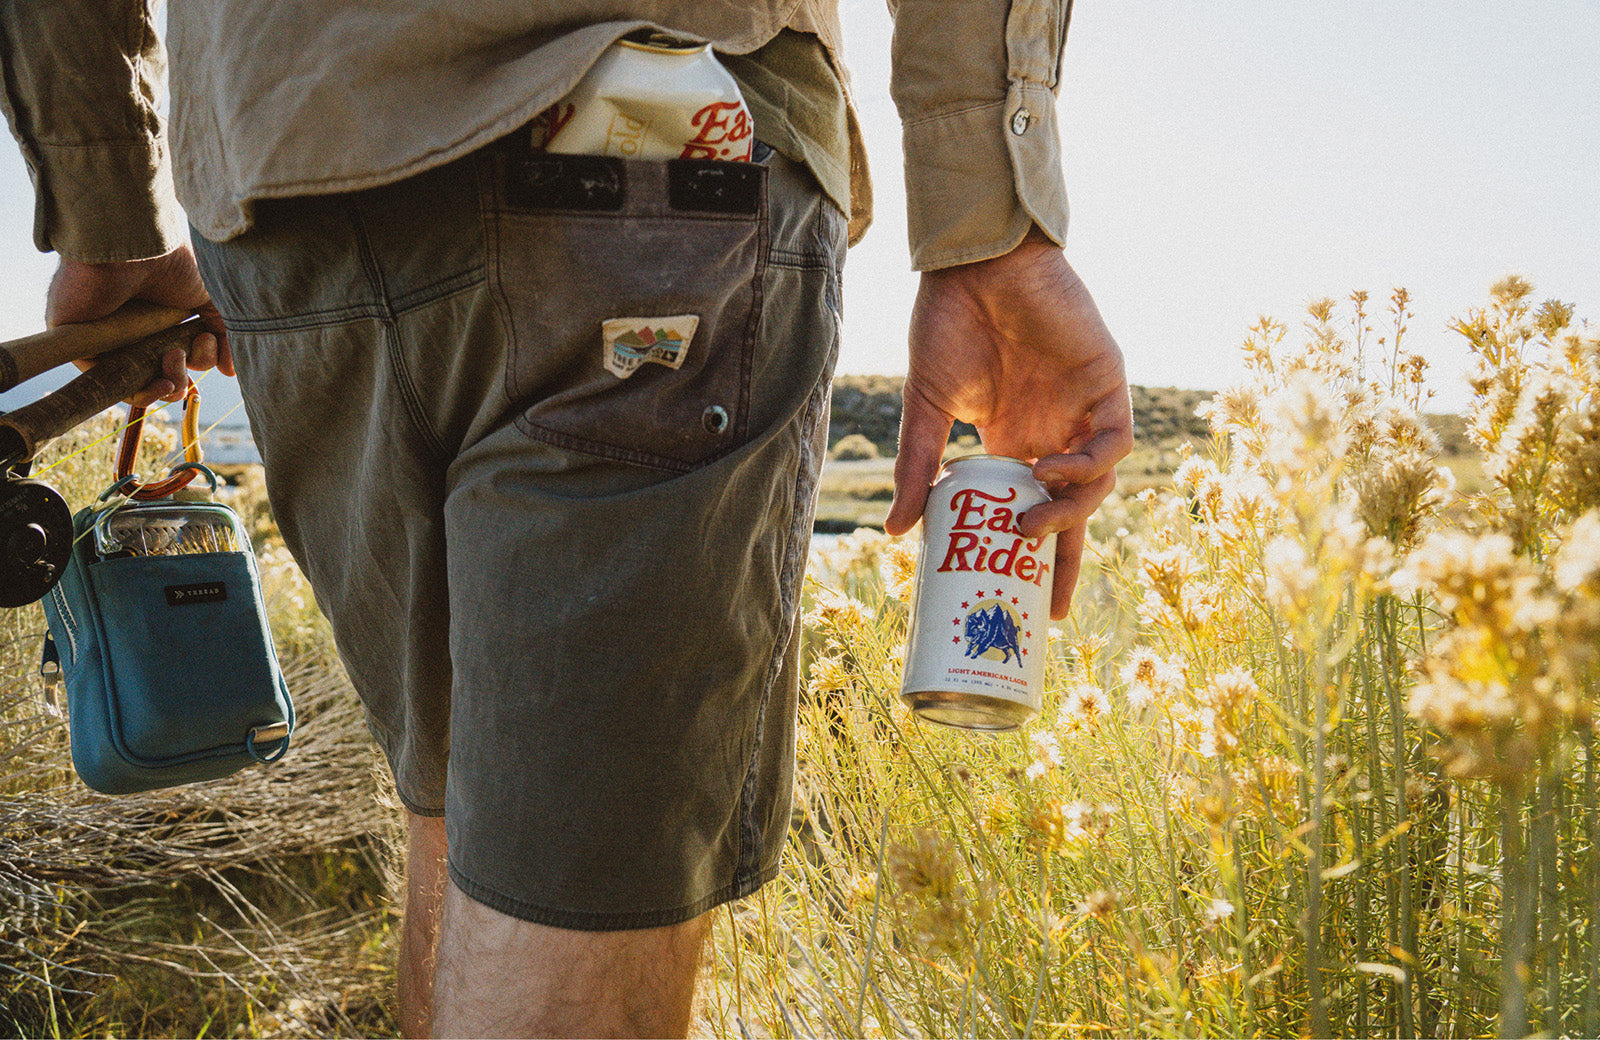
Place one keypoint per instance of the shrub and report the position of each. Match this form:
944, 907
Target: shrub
854, 448
255, 905
1317, 755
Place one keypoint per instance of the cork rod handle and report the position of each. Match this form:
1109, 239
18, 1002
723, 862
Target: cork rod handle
117, 374
22, 359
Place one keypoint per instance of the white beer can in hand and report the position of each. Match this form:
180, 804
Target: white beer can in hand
980, 619
651, 96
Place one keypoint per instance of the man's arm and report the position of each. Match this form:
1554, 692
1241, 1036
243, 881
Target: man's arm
1004, 334
83, 84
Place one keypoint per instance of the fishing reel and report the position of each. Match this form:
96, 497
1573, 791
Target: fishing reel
35, 521
35, 537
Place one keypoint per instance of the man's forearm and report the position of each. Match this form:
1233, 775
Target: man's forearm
974, 82
83, 84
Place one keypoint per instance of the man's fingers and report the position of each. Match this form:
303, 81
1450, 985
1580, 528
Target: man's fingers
1070, 506
1069, 561
223, 356
172, 366
202, 352
1110, 444
1067, 515
1079, 467
169, 385
924, 431
162, 389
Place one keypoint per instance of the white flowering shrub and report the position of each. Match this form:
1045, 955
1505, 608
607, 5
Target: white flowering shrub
1317, 756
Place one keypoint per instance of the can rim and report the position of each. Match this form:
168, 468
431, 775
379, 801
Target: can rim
980, 456
662, 44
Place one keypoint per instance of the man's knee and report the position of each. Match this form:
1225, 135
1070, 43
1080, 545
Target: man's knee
499, 975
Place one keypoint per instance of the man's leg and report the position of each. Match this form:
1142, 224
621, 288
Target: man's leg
426, 879
499, 976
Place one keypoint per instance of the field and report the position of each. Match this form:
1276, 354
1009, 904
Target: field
1316, 758
858, 479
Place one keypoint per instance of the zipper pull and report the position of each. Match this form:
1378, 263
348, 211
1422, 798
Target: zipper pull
50, 669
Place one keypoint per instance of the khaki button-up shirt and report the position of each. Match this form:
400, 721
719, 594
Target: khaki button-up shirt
280, 98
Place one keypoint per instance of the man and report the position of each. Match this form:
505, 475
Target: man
577, 589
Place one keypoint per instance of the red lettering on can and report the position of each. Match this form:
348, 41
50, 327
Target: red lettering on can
1003, 521
1002, 560
547, 124
966, 553
972, 514
961, 543
724, 132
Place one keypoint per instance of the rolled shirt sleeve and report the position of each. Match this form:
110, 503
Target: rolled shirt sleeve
83, 88
975, 83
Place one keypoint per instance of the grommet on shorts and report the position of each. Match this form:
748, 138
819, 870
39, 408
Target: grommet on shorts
715, 419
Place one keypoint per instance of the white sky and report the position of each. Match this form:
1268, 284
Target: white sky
1227, 160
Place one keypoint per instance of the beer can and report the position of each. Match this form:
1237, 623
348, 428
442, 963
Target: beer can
651, 96
980, 617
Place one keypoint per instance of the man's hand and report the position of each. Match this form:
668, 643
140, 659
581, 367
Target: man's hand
1016, 346
84, 292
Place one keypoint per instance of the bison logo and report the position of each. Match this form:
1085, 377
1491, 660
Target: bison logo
992, 632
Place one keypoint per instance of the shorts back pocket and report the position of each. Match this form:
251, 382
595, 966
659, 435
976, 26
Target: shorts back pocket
631, 291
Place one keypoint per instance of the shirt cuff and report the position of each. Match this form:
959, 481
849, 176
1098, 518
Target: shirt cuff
979, 177
108, 201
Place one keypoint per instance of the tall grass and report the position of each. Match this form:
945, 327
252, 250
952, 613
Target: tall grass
1318, 756
256, 905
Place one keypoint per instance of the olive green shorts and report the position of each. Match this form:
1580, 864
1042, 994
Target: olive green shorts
544, 433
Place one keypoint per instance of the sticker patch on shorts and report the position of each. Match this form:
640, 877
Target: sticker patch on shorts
631, 342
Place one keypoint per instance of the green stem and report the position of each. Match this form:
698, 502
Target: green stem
1591, 808
872, 929
1313, 910
1550, 921
1241, 918
1380, 808
1459, 953
1400, 764
1516, 916
1044, 950
1360, 824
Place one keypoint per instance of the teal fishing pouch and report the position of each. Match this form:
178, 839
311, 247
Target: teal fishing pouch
158, 629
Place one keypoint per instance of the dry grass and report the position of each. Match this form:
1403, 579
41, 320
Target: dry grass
1317, 758
256, 905
259, 899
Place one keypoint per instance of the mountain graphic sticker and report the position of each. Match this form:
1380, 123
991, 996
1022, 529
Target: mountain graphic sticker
628, 343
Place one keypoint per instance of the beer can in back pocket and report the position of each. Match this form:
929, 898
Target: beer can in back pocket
651, 96
980, 619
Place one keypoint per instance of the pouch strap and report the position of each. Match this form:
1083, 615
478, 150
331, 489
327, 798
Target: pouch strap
181, 475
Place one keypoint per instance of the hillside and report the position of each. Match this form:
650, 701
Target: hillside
870, 406
858, 481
